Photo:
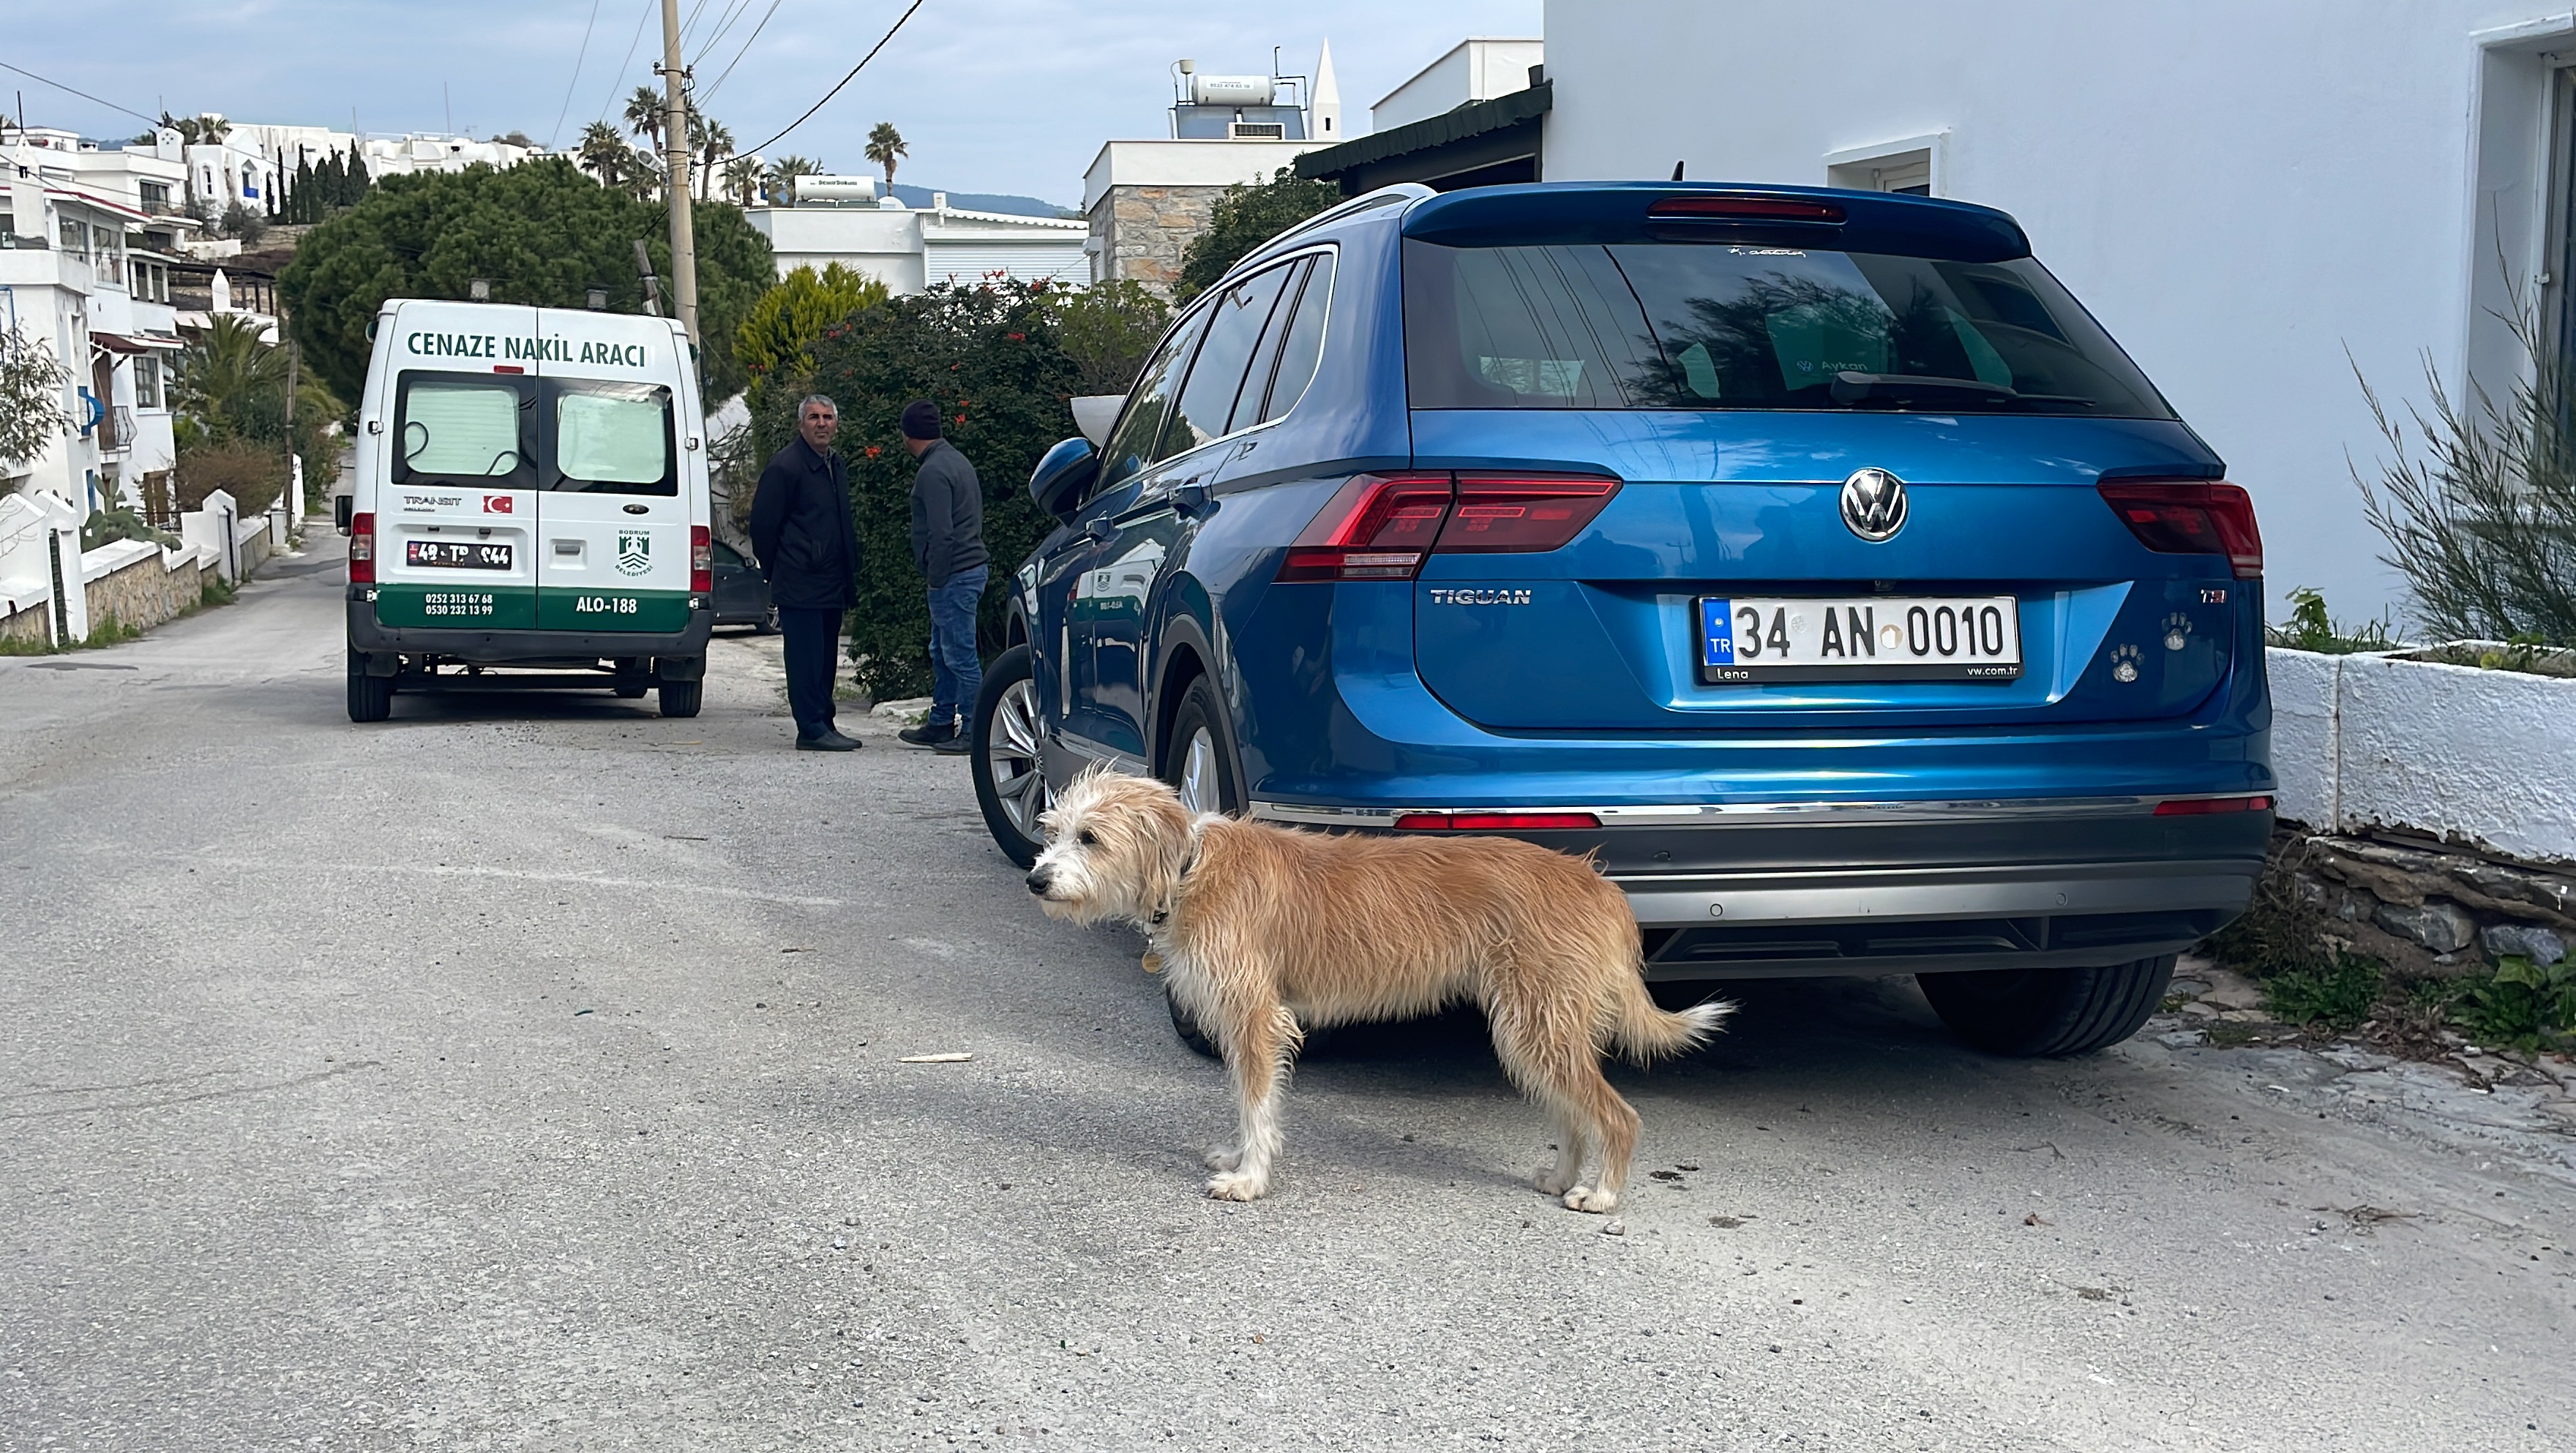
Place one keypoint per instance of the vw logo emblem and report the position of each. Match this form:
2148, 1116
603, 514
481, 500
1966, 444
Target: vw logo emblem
1874, 504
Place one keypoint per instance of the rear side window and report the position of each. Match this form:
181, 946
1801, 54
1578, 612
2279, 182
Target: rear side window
465, 428
1721, 326
611, 438
1303, 344
1239, 321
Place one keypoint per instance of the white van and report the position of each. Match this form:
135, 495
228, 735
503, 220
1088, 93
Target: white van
531, 492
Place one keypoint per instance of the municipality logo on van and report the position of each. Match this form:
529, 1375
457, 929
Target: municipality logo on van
634, 552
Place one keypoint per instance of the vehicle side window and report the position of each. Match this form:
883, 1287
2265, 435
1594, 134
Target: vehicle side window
1304, 344
1238, 321
468, 428
1265, 354
1131, 446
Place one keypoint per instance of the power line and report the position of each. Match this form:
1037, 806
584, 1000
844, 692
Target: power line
724, 22
739, 54
620, 78
84, 95
569, 86
845, 80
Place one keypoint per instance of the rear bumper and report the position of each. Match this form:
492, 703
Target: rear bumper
500, 648
1783, 889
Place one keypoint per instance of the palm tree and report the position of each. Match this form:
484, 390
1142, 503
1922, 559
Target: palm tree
885, 148
644, 114
226, 371
783, 174
644, 175
742, 178
714, 142
602, 152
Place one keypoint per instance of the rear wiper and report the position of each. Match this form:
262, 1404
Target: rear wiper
1850, 387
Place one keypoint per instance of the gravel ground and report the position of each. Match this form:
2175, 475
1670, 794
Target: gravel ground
524, 1072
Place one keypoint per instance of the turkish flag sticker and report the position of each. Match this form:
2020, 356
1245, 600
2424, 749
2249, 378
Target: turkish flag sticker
496, 504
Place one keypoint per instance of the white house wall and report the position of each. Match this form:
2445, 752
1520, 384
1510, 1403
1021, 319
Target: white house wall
2255, 199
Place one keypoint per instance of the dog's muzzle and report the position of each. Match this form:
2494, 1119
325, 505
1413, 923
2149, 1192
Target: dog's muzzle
1040, 879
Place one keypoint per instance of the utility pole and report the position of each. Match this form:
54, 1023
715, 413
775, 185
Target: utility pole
675, 173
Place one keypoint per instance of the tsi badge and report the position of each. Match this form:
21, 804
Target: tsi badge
1874, 504
634, 552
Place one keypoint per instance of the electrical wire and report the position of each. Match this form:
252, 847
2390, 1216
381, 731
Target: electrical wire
739, 54
84, 95
845, 80
569, 86
724, 23
649, 6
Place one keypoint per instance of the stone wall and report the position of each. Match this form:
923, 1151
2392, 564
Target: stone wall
2430, 908
145, 593
1142, 231
31, 624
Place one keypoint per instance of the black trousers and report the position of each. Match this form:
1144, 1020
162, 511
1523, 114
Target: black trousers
812, 639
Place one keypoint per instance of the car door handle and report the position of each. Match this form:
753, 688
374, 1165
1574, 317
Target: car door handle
1190, 498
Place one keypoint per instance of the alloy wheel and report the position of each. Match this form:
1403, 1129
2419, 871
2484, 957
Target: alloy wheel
1011, 755
1198, 785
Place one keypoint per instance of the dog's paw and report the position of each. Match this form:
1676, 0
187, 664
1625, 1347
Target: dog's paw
1550, 1183
1235, 1187
1584, 1198
1224, 1159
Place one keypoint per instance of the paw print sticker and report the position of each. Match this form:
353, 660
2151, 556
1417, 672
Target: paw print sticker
2124, 664
2177, 631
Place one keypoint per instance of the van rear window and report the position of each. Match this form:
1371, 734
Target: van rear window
461, 428
1700, 325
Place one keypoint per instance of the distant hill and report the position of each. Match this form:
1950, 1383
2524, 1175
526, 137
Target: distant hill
1017, 206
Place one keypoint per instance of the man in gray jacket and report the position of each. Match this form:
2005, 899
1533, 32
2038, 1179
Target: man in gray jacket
948, 546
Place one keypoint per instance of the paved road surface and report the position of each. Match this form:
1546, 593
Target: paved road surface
522, 1073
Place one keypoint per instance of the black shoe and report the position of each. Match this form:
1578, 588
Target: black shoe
829, 741
958, 744
929, 735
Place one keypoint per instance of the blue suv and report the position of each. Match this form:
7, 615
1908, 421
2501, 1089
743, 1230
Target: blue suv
1811, 559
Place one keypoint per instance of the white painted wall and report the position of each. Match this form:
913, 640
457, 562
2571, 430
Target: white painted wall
1477, 69
2242, 193
1186, 163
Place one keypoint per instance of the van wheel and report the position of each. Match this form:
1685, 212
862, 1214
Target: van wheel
1186, 1025
631, 680
767, 625
680, 698
2030, 1013
1010, 777
371, 698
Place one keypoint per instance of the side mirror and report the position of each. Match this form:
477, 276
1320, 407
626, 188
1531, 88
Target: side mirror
1096, 414
342, 507
1062, 476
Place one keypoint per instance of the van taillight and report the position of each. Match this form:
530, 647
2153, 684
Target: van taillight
1383, 528
702, 560
362, 548
2190, 517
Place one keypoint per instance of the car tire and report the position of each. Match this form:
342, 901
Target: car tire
767, 625
631, 680
681, 698
2034, 1013
1186, 1025
1198, 756
371, 698
1010, 773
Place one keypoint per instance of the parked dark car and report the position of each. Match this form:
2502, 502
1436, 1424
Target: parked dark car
1811, 559
742, 591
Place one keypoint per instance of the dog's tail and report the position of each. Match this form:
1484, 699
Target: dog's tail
1649, 1033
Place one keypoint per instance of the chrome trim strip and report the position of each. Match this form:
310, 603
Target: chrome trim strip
2008, 809
2037, 890
1099, 755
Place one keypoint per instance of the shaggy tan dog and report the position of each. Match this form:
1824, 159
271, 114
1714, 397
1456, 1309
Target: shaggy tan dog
1265, 931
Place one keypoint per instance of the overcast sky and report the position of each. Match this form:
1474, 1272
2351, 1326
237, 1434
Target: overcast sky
992, 95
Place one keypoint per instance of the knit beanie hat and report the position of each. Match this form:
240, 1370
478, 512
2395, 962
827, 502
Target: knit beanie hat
921, 420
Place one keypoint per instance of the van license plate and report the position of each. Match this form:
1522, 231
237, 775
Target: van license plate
1879, 638
456, 554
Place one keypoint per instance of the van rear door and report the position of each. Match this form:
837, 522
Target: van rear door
613, 517
456, 509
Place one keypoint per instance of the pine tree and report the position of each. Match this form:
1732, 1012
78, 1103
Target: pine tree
304, 203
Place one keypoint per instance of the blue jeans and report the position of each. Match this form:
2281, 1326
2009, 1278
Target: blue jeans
956, 672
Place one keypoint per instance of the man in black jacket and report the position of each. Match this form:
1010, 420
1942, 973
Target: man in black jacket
801, 525
948, 546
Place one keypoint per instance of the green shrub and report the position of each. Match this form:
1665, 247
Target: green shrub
1243, 218
2339, 996
251, 473
2524, 1004
2280, 932
2311, 630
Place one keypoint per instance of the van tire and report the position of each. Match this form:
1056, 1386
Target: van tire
371, 698
680, 698
631, 680
2036, 1013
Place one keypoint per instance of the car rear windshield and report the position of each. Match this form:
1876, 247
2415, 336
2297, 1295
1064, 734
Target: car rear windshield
1719, 326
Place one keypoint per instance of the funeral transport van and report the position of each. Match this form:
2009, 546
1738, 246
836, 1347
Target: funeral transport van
530, 507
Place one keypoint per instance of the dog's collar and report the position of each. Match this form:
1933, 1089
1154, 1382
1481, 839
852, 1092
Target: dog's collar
1172, 899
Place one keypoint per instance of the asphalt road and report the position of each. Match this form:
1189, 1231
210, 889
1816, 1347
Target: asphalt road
523, 1072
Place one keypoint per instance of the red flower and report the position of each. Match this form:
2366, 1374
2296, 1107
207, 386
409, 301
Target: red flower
961, 418
1018, 337
874, 451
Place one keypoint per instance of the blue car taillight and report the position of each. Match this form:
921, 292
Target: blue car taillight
1380, 527
2190, 517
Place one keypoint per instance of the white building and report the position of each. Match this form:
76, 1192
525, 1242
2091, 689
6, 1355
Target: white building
2256, 200
87, 239
254, 163
1478, 68
841, 219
